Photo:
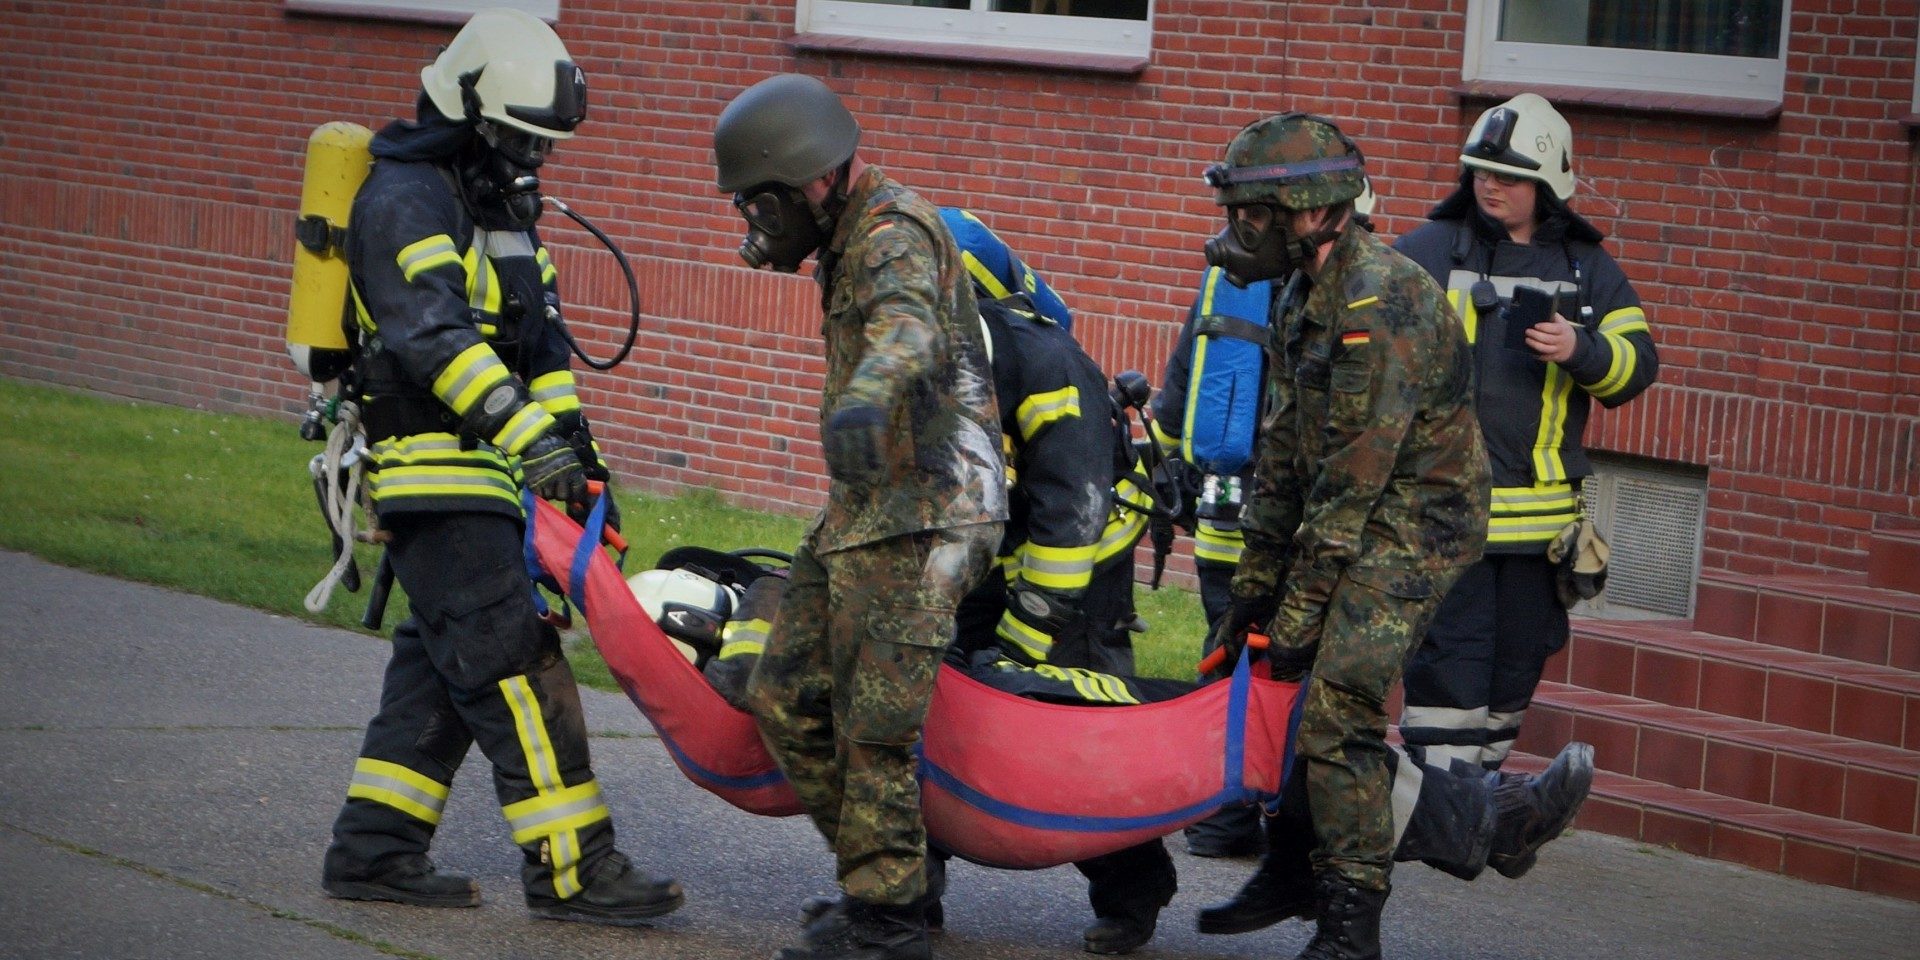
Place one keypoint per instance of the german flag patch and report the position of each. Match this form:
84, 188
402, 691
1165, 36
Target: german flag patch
1356, 338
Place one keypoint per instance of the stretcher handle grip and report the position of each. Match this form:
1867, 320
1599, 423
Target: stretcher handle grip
1213, 661
608, 535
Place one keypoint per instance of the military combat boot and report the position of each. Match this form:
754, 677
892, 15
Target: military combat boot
412, 880
1348, 919
815, 907
817, 910
617, 893
858, 930
1534, 810
1281, 889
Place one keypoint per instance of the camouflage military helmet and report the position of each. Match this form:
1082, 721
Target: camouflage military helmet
787, 129
1296, 160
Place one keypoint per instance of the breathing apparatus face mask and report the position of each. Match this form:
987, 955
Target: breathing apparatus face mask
783, 229
498, 177
1254, 248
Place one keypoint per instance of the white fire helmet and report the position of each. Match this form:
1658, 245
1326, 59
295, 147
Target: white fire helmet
689, 608
1524, 137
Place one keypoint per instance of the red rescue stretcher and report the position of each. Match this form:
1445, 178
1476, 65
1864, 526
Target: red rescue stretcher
1086, 780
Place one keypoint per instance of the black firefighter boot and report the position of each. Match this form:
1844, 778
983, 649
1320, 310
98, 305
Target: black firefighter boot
1534, 810
412, 880
859, 930
1280, 889
617, 893
1349, 921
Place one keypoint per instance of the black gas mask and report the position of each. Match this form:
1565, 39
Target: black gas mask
783, 229
1247, 253
497, 176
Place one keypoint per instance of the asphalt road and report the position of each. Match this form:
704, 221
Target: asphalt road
170, 767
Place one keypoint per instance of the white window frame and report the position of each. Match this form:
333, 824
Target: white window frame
431, 11
978, 27
1488, 58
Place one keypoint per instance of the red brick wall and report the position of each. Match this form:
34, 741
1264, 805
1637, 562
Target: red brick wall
150, 163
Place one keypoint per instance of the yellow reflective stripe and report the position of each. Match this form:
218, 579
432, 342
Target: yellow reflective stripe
1013, 630
1624, 321
442, 480
553, 811
1620, 372
469, 376
1363, 301
1548, 467
380, 781
483, 284
1469, 317
1124, 527
1529, 529
423, 255
555, 391
360, 314
1162, 439
1215, 545
547, 272
1554, 497
531, 727
1040, 409
441, 448
1057, 568
526, 424
1098, 687
984, 277
1199, 365
742, 637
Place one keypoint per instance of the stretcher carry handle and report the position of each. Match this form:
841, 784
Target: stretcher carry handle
608, 535
1213, 661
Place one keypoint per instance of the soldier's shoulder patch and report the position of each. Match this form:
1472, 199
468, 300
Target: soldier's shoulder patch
893, 237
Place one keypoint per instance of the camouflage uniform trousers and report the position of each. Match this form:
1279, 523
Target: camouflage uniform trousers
843, 689
1375, 618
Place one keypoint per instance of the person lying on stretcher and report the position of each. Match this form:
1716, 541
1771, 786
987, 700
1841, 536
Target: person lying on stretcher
719, 607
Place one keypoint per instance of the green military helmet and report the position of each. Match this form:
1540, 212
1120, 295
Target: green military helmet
787, 129
1295, 160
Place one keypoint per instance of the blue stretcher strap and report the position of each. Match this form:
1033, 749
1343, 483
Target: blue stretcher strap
1067, 822
583, 551
1235, 785
704, 775
531, 557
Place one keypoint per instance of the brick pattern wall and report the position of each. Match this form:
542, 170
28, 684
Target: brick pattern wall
151, 160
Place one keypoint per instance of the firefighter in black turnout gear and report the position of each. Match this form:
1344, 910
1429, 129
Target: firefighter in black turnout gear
463, 376
1065, 600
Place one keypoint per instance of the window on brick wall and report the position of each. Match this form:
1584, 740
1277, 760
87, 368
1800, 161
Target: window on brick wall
431, 11
1718, 48
1118, 27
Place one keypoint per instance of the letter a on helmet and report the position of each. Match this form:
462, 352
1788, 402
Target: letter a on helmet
1524, 137
509, 68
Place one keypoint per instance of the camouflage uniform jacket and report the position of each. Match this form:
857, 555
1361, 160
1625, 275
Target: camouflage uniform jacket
903, 334
1369, 455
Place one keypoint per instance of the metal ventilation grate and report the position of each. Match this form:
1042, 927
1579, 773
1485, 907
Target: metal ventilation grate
1654, 520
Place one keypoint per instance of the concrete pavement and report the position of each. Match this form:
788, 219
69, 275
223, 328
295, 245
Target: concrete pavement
172, 766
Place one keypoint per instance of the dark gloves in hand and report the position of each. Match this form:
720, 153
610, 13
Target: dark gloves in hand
853, 438
1247, 614
579, 510
553, 471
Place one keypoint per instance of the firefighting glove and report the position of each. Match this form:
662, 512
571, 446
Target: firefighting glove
1249, 613
553, 471
853, 439
1034, 618
580, 509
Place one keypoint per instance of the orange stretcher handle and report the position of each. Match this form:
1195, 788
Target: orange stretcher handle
1214, 660
608, 535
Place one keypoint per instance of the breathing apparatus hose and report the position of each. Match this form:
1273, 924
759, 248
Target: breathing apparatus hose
346, 448
633, 294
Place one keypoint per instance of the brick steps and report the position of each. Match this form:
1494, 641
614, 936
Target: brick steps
1893, 560
1835, 615
1793, 770
1666, 662
1814, 848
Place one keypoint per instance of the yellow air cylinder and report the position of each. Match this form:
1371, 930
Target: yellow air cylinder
337, 163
